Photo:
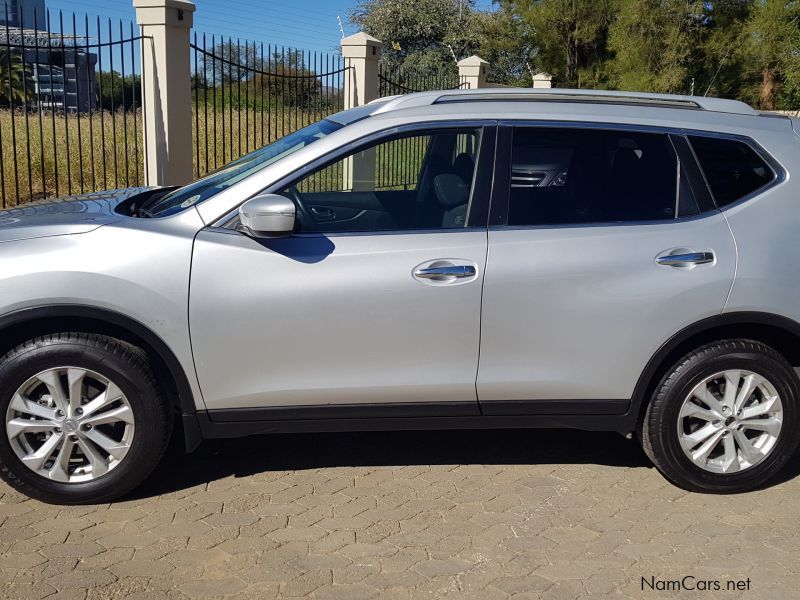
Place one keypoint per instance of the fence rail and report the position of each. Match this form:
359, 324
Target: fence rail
396, 80
70, 98
248, 94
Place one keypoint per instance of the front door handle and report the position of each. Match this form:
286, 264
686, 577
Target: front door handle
457, 271
686, 260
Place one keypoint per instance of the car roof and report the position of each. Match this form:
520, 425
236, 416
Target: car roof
556, 95
549, 104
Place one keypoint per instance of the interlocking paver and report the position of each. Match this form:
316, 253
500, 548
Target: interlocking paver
490, 515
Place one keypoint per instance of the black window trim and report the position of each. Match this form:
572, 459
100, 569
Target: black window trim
693, 174
498, 210
778, 172
482, 184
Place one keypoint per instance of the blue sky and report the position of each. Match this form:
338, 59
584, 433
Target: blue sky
307, 24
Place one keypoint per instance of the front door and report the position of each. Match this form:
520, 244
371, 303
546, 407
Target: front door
374, 301
604, 246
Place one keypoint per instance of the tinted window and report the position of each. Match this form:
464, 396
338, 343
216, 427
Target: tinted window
563, 176
732, 168
412, 182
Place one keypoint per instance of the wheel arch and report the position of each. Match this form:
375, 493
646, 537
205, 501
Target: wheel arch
24, 324
781, 333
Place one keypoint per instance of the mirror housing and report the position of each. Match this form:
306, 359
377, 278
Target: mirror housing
267, 215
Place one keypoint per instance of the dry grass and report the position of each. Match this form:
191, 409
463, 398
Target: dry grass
82, 160
47, 155
224, 135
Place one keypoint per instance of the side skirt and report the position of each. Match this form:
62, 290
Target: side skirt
605, 415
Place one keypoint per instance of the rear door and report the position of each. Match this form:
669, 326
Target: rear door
602, 245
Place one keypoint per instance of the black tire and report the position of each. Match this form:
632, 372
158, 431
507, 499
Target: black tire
659, 432
128, 368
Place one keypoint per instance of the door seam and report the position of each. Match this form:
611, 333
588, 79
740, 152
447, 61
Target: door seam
480, 322
735, 262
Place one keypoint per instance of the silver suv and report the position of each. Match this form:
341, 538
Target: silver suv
486, 259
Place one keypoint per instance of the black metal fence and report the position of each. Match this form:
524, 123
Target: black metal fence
70, 98
397, 80
248, 94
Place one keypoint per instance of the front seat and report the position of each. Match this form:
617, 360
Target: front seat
452, 193
464, 167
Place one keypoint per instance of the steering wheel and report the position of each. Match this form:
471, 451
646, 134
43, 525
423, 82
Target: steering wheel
304, 216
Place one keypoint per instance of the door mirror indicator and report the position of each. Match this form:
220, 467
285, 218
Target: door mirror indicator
267, 215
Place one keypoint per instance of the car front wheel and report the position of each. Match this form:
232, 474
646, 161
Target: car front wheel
84, 418
725, 418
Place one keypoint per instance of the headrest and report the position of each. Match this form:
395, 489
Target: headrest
464, 166
450, 190
625, 158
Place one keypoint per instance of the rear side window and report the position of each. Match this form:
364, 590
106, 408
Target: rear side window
574, 176
732, 168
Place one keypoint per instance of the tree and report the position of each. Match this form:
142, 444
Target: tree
15, 77
116, 92
653, 43
771, 53
718, 66
570, 36
231, 61
508, 45
428, 36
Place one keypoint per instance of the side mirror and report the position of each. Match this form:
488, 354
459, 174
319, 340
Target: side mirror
267, 215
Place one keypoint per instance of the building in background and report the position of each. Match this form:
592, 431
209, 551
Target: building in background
59, 67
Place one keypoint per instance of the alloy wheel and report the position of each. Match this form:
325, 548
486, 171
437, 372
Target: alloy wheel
730, 421
70, 424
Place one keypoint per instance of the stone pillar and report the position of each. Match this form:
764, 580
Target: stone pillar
542, 80
472, 72
361, 54
166, 90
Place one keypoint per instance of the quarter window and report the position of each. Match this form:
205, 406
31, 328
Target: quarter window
566, 176
421, 181
732, 168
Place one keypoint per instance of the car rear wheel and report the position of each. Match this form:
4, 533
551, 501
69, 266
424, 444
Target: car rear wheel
84, 420
725, 418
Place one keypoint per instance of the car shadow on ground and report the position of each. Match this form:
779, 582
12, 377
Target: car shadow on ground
216, 459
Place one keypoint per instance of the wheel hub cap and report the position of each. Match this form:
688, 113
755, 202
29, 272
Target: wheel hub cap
70, 424
730, 421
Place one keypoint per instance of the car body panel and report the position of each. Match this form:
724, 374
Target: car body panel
576, 312
71, 215
766, 230
136, 267
335, 319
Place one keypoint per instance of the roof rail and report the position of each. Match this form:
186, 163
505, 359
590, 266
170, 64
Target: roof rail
585, 98
568, 96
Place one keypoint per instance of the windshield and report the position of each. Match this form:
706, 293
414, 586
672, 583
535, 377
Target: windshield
232, 173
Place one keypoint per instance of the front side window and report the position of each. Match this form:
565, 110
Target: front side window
732, 168
417, 181
572, 176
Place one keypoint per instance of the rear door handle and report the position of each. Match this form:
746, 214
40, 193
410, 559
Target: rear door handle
684, 260
458, 271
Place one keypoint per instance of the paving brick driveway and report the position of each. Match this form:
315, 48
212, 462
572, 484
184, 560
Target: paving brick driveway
492, 514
